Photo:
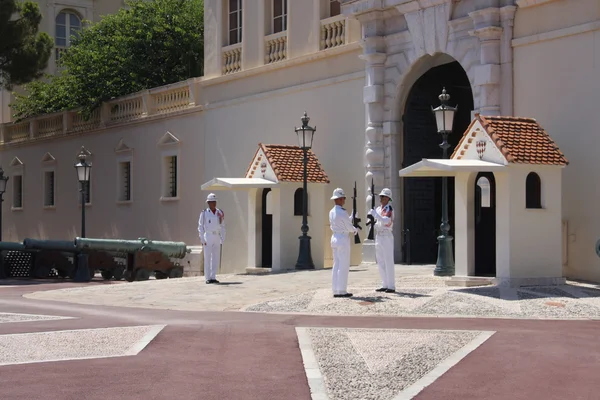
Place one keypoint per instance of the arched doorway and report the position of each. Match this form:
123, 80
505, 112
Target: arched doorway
485, 224
422, 211
267, 229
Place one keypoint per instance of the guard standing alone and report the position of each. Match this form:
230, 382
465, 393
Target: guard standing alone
384, 241
341, 225
211, 227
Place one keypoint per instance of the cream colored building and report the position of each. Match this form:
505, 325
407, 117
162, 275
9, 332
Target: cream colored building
60, 20
367, 77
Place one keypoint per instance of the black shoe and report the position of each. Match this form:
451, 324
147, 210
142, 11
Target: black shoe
381, 289
390, 290
208, 281
347, 295
215, 281
338, 295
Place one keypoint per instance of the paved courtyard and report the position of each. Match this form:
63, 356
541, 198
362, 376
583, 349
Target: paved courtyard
283, 336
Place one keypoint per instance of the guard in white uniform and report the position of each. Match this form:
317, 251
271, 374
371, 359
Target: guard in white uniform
341, 226
384, 241
211, 227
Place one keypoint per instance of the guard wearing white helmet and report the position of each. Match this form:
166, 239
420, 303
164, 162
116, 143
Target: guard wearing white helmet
384, 241
211, 227
341, 225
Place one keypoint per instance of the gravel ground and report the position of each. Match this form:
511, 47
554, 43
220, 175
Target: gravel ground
377, 364
71, 345
10, 317
424, 296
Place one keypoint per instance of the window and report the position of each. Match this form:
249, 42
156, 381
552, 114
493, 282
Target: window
298, 198
124, 180
67, 24
334, 8
235, 21
171, 169
49, 188
533, 191
280, 11
17, 191
486, 195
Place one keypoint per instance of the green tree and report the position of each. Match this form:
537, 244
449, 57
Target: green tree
24, 52
153, 43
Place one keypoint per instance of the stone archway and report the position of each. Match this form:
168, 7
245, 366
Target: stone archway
421, 197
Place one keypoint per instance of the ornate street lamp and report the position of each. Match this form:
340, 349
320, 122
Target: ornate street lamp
84, 169
305, 139
83, 176
444, 117
3, 182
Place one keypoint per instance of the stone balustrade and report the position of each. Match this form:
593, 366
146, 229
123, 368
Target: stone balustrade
333, 32
276, 47
158, 101
232, 59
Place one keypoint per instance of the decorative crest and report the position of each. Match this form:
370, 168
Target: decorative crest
481, 148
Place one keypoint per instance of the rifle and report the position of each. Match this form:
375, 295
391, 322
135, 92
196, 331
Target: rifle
355, 220
371, 223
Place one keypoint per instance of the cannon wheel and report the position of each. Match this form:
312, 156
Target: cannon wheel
106, 274
41, 271
142, 274
160, 275
128, 275
118, 273
176, 272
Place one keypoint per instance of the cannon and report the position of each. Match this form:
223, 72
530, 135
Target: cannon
14, 257
144, 256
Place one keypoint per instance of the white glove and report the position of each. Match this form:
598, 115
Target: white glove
372, 212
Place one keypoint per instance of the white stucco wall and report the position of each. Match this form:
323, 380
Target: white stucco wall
557, 64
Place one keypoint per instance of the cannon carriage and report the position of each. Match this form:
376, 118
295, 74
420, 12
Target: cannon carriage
115, 259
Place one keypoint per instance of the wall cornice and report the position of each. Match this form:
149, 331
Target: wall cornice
533, 3
556, 34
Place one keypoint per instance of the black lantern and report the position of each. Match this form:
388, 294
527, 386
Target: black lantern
83, 169
305, 138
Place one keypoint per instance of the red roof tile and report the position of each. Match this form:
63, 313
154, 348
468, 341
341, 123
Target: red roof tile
288, 165
521, 140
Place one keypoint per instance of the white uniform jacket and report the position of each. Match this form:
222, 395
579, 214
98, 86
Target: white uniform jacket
385, 219
211, 223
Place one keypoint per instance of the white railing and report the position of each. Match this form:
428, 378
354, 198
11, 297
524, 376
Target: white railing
333, 32
232, 59
162, 100
276, 47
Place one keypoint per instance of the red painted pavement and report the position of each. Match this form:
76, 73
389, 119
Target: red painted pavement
231, 355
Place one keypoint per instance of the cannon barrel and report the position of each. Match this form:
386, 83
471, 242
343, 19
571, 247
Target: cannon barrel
169, 249
11, 246
57, 245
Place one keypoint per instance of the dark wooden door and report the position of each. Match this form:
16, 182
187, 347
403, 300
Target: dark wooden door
485, 224
267, 233
423, 196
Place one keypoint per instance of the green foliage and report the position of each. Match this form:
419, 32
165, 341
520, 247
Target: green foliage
24, 52
154, 43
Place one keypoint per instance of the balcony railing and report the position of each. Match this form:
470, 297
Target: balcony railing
333, 32
232, 58
276, 47
162, 100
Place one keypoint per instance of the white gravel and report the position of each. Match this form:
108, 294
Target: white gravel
24, 348
377, 364
571, 301
14, 317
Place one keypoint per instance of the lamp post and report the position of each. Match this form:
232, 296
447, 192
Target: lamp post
83, 176
444, 117
3, 182
305, 137
84, 169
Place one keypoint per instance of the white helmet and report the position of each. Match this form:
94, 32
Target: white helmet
211, 197
338, 194
386, 192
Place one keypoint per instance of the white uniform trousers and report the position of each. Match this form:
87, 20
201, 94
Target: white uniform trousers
384, 252
340, 246
212, 255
